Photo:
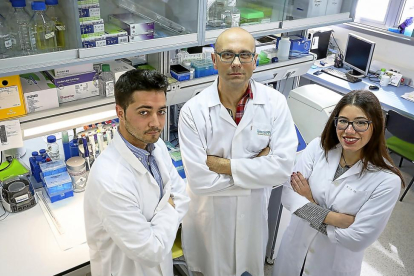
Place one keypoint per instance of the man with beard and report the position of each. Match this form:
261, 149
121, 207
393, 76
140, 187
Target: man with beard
135, 199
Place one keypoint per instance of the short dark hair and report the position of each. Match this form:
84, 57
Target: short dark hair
138, 80
375, 151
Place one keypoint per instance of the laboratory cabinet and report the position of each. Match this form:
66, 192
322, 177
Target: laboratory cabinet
97, 30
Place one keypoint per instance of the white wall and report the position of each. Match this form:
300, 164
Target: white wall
388, 54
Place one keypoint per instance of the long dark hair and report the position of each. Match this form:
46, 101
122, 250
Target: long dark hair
375, 151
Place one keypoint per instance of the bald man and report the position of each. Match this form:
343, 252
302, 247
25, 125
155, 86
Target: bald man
237, 140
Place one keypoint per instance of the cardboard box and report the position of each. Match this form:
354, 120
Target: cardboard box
39, 92
11, 98
92, 28
141, 37
118, 68
133, 24
75, 87
71, 70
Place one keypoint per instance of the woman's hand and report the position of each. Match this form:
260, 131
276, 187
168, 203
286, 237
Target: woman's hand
301, 186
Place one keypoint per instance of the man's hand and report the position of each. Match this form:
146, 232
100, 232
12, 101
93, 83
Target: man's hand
171, 201
301, 186
264, 152
339, 220
218, 164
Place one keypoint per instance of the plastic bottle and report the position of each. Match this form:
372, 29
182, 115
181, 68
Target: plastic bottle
52, 147
43, 154
106, 81
6, 44
283, 49
23, 42
231, 15
32, 160
56, 15
215, 12
43, 29
66, 145
9, 10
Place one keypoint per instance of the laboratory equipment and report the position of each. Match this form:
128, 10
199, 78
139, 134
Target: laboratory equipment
17, 194
311, 105
42, 28
52, 167
231, 15
283, 48
320, 41
106, 81
358, 54
23, 41
385, 80
52, 147
6, 44
56, 15
179, 72
77, 170
341, 75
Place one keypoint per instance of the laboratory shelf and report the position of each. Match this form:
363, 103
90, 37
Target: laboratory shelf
183, 91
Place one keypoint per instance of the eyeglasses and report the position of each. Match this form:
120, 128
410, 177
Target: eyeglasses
228, 57
358, 125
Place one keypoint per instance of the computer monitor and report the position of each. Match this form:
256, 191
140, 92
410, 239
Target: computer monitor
358, 54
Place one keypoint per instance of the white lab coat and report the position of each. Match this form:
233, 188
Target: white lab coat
225, 231
370, 198
129, 230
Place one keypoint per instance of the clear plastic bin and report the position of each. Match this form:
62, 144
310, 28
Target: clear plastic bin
53, 167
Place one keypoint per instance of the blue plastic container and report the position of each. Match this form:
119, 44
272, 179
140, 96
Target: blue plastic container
60, 196
180, 77
53, 167
57, 183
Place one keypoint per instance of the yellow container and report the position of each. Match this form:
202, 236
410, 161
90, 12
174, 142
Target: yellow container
11, 98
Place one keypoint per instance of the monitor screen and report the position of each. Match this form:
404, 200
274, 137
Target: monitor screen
358, 53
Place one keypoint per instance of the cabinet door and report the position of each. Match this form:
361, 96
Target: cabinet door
259, 17
306, 14
40, 38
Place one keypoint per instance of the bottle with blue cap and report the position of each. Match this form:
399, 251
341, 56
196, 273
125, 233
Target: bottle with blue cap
43, 29
6, 44
56, 15
23, 42
52, 147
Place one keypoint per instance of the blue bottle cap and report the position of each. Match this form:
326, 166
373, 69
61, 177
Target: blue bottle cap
18, 3
35, 153
51, 2
38, 6
51, 138
42, 151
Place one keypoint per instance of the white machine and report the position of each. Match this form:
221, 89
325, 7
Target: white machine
314, 8
311, 105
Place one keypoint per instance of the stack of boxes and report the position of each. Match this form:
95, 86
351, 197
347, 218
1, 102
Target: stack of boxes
74, 82
94, 31
56, 180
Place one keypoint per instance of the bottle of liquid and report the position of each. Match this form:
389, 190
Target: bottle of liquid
52, 147
283, 49
215, 14
106, 81
6, 44
43, 29
56, 15
66, 146
231, 15
9, 10
43, 154
23, 42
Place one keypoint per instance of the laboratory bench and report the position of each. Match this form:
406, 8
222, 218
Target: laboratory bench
389, 96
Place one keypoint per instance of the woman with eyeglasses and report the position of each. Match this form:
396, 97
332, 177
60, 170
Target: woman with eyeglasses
341, 193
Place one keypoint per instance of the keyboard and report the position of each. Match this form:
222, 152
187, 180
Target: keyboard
341, 75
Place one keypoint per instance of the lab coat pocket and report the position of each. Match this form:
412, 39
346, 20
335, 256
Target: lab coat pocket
349, 200
346, 261
259, 137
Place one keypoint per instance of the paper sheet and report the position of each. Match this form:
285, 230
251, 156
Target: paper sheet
69, 213
408, 96
10, 135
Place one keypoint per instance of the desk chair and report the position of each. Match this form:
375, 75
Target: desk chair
402, 143
177, 252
